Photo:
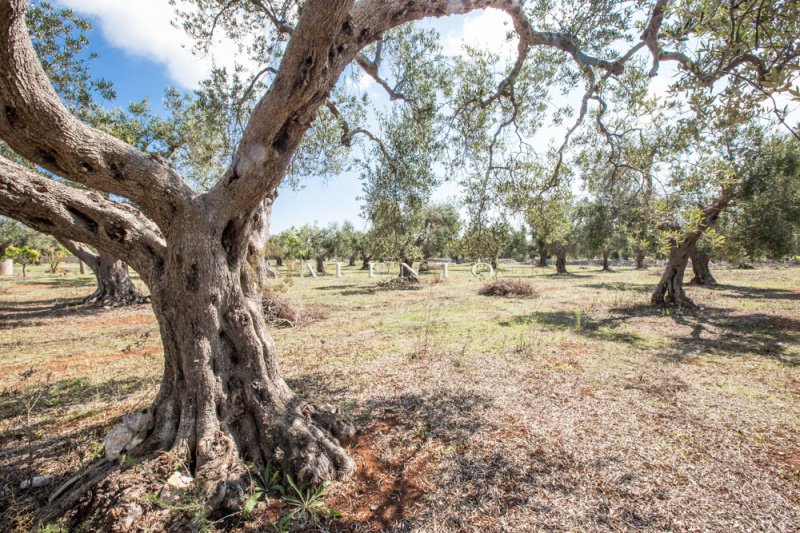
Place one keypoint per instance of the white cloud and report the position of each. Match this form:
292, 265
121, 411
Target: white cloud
486, 29
142, 28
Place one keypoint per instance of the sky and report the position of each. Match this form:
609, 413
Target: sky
142, 53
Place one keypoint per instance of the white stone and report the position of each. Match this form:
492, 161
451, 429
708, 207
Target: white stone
7, 267
176, 484
138, 421
35, 483
116, 441
135, 512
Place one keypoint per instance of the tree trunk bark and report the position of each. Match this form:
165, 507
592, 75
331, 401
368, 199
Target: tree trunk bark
222, 403
561, 263
115, 287
702, 274
561, 258
605, 260
279, 261
321, 265
639, 260
669, 290
542, 257
352, 261
365, 262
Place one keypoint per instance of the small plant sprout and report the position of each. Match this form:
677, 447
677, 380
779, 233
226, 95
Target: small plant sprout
267, 482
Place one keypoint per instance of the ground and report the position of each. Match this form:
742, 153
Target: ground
581, 408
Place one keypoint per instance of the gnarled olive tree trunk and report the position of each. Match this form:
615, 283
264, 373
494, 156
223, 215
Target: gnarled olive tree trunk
542, 257
561, 258
702, 273
606, 253
320, 264
115, 287
223, 403
639, 260
669, 290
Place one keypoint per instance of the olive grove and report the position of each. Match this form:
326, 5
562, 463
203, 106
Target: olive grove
222, 402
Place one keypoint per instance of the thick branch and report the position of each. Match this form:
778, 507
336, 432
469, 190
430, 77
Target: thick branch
329, 35
81, 252
69, 213
35, 123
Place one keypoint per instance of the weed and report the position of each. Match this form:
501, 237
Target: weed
198, 510
266, 484
307, 506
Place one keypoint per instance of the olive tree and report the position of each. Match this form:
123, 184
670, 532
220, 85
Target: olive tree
222, 402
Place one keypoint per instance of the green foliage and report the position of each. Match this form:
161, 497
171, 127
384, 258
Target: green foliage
53, 255
307, 505
267, 483
23, 255
765, 220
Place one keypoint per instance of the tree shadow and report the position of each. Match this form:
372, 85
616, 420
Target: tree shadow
21, 313
618, 285
735, 291
67, 393
57, 443
331, 287
579, 322
733, 333
568, 275
392, 452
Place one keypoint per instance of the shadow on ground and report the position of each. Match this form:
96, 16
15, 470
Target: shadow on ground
713, 330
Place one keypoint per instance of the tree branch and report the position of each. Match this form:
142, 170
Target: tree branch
371, 68
69, 213
81, 252
35, 123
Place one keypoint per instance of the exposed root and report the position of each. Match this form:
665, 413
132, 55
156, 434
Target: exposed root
101, 298
312, 447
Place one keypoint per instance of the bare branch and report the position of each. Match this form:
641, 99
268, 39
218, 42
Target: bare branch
348, 134
371, 68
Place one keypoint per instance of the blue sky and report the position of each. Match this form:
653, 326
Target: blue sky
142, 54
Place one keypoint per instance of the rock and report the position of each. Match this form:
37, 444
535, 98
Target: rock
176, 484
116, 441
36, 482
138, 421
135, 512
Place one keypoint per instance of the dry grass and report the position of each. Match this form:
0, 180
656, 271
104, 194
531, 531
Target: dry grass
581, 409
509, 288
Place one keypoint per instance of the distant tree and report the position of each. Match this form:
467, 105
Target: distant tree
765, 219
54, 254
347, 242
598, 230
23, 255
518, 247
551, 219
